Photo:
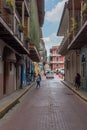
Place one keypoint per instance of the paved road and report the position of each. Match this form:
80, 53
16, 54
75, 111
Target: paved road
51, 107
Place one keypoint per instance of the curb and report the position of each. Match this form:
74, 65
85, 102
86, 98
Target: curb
12, 103
76, 92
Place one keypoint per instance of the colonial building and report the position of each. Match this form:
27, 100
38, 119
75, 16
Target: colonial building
43, 55
20, 21
56, 60
73, 27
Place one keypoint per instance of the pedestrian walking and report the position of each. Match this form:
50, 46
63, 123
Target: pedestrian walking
77, 81
38, 80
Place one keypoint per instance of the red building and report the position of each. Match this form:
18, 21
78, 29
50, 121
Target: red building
56, 60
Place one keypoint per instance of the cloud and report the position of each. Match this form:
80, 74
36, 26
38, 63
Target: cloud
55, 14
46, 39
48, 0
52, 40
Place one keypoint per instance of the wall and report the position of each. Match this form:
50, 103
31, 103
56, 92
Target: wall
71, 63
1, 68
7, 74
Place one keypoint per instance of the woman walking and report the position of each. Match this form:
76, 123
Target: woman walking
38, 79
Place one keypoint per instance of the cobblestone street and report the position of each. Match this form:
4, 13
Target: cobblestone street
50, 107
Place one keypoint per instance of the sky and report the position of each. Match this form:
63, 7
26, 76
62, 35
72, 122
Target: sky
53, 13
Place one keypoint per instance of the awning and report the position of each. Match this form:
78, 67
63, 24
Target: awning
7, 35
80, 39
34, 55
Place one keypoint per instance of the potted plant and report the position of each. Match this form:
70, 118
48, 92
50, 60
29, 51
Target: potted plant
20, 27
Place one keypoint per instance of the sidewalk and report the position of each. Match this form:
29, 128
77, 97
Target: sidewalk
81, 93
9, 101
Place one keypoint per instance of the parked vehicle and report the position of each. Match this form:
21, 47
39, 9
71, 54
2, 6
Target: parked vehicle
47, 70
57, 71
50, 74
62, 72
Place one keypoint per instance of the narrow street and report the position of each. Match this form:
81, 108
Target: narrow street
51, 107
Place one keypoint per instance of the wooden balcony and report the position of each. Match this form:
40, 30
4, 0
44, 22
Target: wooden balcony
80, 39
79, 36
6, 12
54, 55
9, 31
34, 54
7, 35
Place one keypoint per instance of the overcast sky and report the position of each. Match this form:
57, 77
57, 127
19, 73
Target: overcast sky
53, 12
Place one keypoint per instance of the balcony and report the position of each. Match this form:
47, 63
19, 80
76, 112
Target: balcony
79, 39
7, 35
19, 5
34, 54
9, 32
54, 55
56, 62
6, 13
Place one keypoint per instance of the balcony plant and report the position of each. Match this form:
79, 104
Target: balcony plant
20, 27
10, 3
84, 7
74, 24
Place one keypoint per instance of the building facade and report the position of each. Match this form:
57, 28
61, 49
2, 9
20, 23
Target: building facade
56, 60
18, 44
73, 46
43, 55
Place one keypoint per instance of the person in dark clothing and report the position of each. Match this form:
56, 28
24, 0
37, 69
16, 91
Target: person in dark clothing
38, 79
77, 81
